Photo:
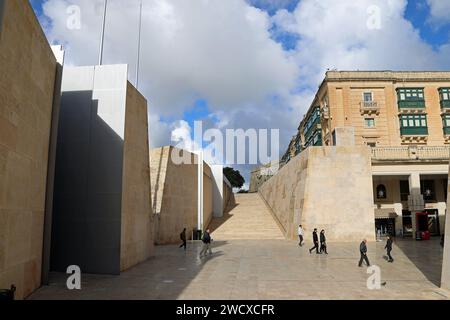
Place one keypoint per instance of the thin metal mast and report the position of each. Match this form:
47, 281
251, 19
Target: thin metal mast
102, 38
139, 47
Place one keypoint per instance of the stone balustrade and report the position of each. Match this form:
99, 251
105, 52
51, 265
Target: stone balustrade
369, 106
408, 153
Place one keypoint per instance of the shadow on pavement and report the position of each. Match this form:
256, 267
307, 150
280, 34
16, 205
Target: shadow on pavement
423, 255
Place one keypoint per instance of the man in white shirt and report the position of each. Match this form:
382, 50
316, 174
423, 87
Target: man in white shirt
300, 235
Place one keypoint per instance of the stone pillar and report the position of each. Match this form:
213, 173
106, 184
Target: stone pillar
415, 200
344, 136
445, 280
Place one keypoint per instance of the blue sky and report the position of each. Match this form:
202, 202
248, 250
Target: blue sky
418, 12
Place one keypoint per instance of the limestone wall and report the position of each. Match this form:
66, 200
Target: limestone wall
174, 194
27, 78
137, 225
326, 188
175, 198
228, 196
208, 181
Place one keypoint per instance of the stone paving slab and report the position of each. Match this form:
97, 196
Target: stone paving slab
266, 269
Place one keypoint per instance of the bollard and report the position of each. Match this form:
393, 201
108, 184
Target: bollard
8, 294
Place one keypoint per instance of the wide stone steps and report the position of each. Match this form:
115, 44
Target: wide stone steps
249, 219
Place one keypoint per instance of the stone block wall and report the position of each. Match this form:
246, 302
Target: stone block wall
325, 188
174, 194
27, 81
137, 216
208, 181
228, 196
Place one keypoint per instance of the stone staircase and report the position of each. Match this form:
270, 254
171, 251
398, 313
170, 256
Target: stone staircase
248, 219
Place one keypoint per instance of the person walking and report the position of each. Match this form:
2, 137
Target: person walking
301, 232
388, 248
183, 238
363, 251
323, 242
316, 243
206, 244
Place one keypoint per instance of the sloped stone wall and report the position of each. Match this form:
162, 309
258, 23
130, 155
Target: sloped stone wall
325, 188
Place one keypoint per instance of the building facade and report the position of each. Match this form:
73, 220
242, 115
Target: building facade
404, 118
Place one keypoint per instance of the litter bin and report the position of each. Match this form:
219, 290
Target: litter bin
199, 234
8, 294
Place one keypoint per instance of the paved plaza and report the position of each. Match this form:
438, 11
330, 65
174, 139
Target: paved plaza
266, 269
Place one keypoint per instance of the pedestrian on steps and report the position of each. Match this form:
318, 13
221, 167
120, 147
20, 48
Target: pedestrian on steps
206, 244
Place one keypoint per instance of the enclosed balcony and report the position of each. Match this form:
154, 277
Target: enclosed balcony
411, 98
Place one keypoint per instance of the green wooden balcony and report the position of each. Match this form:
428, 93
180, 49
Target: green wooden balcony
445, 103
412, 104
447, 131
414, 131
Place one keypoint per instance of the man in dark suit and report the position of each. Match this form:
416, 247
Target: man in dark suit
183, 238
316, 242
363, 251
323, 242
388, 248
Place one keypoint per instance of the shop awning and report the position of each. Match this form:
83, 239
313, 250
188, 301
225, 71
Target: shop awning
385, 214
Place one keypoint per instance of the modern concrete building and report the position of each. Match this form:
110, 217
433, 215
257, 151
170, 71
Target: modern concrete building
29, 104
102, 214
403, 120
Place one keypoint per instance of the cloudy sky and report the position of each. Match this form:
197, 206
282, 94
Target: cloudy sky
247, 64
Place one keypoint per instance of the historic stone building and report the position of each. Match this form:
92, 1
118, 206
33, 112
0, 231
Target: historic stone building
404, 120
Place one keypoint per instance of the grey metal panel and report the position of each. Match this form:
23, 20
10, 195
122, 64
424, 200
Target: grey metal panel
88, 182
88, 190
2, 8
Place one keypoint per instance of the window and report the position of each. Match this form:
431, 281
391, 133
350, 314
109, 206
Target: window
381, 192
315, 139
371, 144
411, 98
413, 124
428, 190
298, 145
370, 122
368, 97
446, 123
313, 119
404, 190
444, 94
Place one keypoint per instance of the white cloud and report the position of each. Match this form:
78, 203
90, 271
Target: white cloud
342, 35
223, 52
216, 50
439, 11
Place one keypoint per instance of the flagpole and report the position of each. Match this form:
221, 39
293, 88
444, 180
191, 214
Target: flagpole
102, 38
139, 47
